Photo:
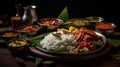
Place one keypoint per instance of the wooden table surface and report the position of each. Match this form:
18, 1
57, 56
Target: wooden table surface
8, 60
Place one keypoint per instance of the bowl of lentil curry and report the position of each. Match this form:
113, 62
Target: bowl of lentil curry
17, 45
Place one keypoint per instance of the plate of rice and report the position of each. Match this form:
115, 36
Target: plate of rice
79, 42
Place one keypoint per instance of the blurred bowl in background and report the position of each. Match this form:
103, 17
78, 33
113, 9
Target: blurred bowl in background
2, 29
94, 19
106, 27
50, 23
9, 35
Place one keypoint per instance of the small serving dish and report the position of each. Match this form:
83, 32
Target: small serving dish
50, 23
94, 19
77, 22
30, 30
9, 35
17, 45
105, 27
2, 29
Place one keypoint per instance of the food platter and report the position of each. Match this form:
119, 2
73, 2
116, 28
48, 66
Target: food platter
55, 57
104, 40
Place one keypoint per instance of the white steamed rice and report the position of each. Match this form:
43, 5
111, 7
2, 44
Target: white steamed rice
66, 43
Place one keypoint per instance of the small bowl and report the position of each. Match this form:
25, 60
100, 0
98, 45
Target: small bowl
9, 35
50, 23
77, 22
2, 29
30, 30
17, 45
94, 19
105, 27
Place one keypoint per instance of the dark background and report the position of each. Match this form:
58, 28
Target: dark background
109, 10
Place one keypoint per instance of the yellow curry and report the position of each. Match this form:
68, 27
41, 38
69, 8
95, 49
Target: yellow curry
17, 43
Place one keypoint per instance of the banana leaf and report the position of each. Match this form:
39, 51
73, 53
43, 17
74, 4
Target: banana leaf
36, 40
112, 39
64, 15
114, 42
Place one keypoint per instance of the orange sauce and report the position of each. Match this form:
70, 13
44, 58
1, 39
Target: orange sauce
9, 34
105, 26
30, 29
50, 22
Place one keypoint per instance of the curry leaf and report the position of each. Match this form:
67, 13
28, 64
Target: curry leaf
63, 15
57, 36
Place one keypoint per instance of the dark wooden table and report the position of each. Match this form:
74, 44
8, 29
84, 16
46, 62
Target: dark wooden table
9, 60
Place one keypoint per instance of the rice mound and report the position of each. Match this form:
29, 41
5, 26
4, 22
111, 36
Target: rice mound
66, 43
